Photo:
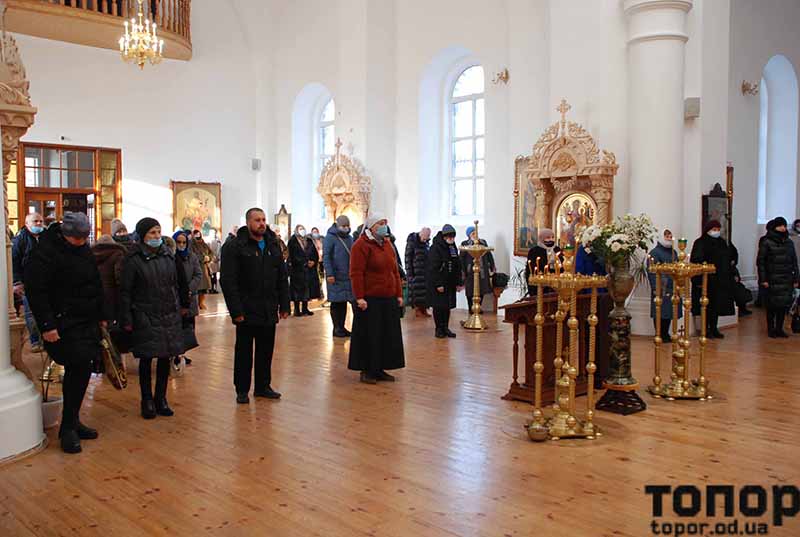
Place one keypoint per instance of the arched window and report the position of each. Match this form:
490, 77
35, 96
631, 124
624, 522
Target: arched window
467, 143
325, 148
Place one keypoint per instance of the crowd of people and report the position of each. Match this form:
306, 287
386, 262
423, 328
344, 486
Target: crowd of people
147, 288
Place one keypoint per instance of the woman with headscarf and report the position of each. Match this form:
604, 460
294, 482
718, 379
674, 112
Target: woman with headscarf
545, 255
336, 250
314, 278
152, 294
302, 258
664, 252
711, 248
443, 278
778, 275
186, 262
377, 339
206, 257
468, 264
110, 258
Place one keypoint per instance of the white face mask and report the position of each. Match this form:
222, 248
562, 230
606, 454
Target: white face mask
301, 232
450, 241
714, 234
666, 243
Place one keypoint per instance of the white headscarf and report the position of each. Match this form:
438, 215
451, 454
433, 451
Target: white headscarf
373, 219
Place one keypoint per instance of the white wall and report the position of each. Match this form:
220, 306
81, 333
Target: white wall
176, 121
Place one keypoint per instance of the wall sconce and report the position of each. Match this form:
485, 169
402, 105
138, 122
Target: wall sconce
501, 76
749, 88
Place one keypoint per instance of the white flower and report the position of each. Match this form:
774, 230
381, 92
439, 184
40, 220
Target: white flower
616, 247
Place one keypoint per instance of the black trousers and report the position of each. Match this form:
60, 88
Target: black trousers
76, 380
666, 324
146, 376
712, 322
338, 314
264, 339
441, 318
776, 318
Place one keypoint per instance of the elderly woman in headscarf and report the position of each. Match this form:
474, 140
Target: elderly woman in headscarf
204, 254
711, 248
186, 261
377, 339
443, 278
663, 252
544, 255
314, 274
302, 259
468, 264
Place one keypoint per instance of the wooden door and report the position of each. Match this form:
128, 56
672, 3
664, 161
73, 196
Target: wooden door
46, 204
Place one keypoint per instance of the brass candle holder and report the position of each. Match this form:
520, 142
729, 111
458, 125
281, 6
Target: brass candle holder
564, 422
681, 273
477, 251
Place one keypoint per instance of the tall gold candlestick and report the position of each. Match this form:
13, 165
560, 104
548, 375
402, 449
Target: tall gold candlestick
477, 250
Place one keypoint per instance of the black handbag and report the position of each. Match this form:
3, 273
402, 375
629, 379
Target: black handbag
796, 322
500, 280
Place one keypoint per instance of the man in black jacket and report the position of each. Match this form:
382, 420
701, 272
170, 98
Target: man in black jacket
256, 287
66, 296
21, 249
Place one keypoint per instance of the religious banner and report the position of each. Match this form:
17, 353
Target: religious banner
197, 205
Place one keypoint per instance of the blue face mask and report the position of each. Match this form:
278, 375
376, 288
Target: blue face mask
36, 229
154, 243
382, 231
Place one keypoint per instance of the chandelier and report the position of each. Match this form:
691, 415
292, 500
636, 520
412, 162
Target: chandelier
140, 42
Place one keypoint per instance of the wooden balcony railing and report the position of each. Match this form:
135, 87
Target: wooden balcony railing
99, 23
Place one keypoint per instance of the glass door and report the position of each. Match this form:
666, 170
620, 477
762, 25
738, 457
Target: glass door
48, 205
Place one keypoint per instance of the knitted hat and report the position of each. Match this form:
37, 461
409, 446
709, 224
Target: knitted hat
780, 221
105, 239
447, 229
118, 225
144, 225
342, 221
373, 219
76, 225
711, 224
470, 229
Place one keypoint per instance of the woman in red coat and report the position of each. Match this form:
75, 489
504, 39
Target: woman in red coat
377, 340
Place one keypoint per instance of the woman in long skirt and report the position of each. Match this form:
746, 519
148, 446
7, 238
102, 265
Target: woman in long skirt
377, 339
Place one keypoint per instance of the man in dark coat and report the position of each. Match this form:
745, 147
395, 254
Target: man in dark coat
63, 287
336, 250
417, 248
21, 248
778, 274
468, 264
152, 294
443, 278
256, 287
711, 248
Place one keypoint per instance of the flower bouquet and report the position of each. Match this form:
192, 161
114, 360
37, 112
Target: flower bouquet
619, 242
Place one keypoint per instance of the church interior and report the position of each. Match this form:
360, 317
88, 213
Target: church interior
581, 386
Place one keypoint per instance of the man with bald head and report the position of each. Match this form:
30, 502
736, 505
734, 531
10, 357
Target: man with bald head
417, 249
21, 248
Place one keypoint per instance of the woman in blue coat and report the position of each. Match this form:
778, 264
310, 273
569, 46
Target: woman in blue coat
336, 260
663, 253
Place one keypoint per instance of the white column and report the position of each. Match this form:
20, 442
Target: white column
20, 402
656, 48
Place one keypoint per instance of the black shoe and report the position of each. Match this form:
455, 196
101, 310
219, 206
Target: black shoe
441, 335
163, 409
70, 441
366, 378
384, 376
242, 398
450, 333
308, 312
781, 334
298, 313
744, 312
86, 433
341, 333
717, 335
148, 409
772, 334
269, 393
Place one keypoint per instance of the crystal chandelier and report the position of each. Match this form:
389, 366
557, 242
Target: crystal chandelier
140, 42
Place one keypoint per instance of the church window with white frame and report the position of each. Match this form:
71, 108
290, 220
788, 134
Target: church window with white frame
467, 143
326, 141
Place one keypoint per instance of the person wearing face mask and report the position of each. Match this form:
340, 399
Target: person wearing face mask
120, 235
152, 294
21, 248
664, 252
336, 259
778, 275
711, 248
69, 310
377, 339
417, 251
302, 257
186, 262
544, 255
313, 273
443, 278
206, 257
468, 264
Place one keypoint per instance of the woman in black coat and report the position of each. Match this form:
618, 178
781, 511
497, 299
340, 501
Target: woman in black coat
187, 262
443, 278
777, 274
65, 294
417, 249
712, 249
152, 294
302, 258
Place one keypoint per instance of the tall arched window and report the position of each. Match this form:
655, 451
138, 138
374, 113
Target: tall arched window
467, 143
326, 147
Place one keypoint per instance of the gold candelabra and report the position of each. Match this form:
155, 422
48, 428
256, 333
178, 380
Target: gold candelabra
681, 272
477, 251
140, 43
564, 421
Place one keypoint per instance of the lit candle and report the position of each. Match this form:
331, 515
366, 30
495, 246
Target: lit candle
121, 44
126, 27
154, 29
161, 47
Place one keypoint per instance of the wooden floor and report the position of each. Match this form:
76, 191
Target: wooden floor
438, 453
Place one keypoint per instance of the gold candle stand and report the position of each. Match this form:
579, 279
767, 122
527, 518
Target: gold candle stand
477, 251
681, 273
564, 422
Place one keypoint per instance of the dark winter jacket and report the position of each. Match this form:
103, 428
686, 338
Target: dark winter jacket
151, 295
777, 266
416, 260
65, 293
193, 273
110, 259
254, 283
537, 260
21, 248
487, 268
443, 270
659, 255
336, 250
715, 252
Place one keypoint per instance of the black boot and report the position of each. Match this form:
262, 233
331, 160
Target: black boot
306, 311
70, 441
146, 388
780, 319
162, 376
86, 433
297, 311
148, 409
771, 323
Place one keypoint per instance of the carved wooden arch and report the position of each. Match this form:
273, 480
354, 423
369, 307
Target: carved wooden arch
345, 188
565, 161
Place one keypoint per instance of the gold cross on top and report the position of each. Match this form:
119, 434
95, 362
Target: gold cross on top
563, 108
